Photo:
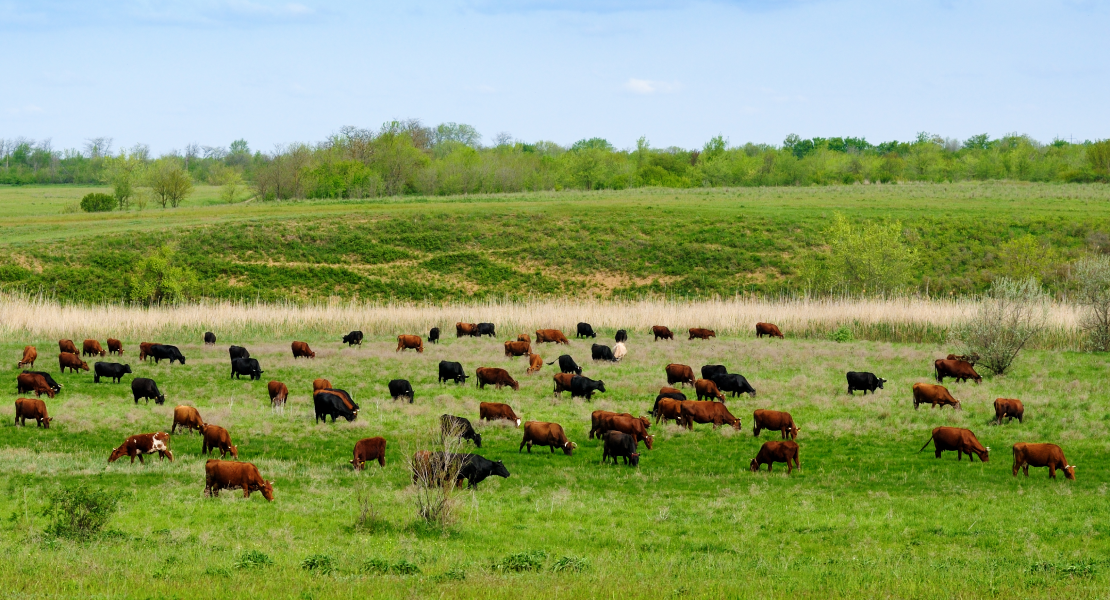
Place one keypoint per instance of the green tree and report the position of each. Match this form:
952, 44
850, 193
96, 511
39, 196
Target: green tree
1098, 155
1009, 316
96, 202
1025, 257
1092, 276
170, 183
158, 279
872, 258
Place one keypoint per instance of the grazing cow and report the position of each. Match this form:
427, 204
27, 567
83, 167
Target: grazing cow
706, 412
246, 366
496, 377
188, 418
773, 452
451, 371
476, 468
661, 332
535, 363
34, 409
956, 369
551, 335
769, 329
238, 352
301, 350
368, 449
485, 329
567, 365
400, 388
668, 409
354, 338
54, 385
524, 337
67, 346
619, 351
144, 388
617, 444
114, 371
602, 352
546, 434
633, 426
584, 387
672, 393
279, 393
217, 438
970, 359
30, 355
600, 416
495, 411
229, 475
585, 330
1008, 407
433, 335
144, 443
336, 403
713, 371
92, 348
697, 333
963, 441
517, 348
320, 384
622, 336
33, 382
858, 380
407, 342
681, 374
459, 427
562, 383
165, 351
144, 349
773, 420
69, 360
705, 388
209, 338
927, 393
1041, 455
115, 346
465, 329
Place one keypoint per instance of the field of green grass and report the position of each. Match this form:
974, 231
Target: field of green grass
867, 515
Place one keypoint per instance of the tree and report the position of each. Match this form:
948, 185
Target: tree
1092, 276
872, 258
1025, 257
460, 133
1009, 315
170, 183
1098, 154
158, 279
96, 202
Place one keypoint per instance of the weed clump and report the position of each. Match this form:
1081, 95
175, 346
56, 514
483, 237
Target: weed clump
521, 562
319, 563
253, 559
570, 564
79, 512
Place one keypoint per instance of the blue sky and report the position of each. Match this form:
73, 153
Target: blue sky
169, 73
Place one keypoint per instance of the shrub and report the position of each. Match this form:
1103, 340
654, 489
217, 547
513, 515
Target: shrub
570, 564
79, 512
522, 561
97, 202
1010, 315
253, 559
158, 278
319, 563
404, 567
1092, 275
841, 334
376, 566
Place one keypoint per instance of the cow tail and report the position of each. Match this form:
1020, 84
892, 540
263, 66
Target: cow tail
926, 443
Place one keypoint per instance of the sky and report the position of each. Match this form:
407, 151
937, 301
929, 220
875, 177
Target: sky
169, 73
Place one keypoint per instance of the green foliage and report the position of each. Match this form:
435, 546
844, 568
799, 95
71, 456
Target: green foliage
379, 566
1024, 257
521, 561
1092, 277
841, 334
1098, 155
570, 564
97, 202
169, 182
79, 512
872, 258
159, 279
253, 559
1011, 314
321, 564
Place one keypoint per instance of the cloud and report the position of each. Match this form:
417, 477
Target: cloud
649, 87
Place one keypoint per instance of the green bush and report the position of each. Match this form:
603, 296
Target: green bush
841, 334
522, 561
253, 559
320, 563
79, 512
96, 202
570, 564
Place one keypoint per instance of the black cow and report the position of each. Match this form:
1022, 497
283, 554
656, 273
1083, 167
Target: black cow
209, 338
330, 403
734, 383
246, 366
433, 336
54, 385
160, 351
712, 371
353, 339
484, 329
622, 336
145, 388
238, 352
584, 387
115, 371
619, 444
399, 388
461, 426
864, 381
567, 365
602, 352
477, 468
585, 330
451, 371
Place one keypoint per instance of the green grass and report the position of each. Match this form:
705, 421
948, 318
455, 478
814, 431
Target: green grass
867, 515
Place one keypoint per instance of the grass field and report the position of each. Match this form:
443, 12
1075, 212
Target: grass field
866, 515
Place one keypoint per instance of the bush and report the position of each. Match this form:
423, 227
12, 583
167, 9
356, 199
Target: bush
1092, 275
253, 559
570, 564
1010, 315
79, 512
522, 561
96, 202
319, 563
841, 334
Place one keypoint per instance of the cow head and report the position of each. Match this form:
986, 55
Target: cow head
499, 469
46, 423
881, 381
984, 454
234, 452
118, 452
477, 439
84, 365
736, 425
267, 489
516, 388
568, 448
1069, 472
634, 460
161, 399
518, 421
126, 369
649, 440
753, 466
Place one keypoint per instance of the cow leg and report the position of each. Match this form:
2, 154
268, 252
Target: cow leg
937, 452
770, 466
522, 443
789, 467
1052, 471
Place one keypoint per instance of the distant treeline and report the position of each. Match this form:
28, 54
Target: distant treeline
405, 157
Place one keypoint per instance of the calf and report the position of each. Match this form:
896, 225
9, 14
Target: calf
768, 329
1008, 407
633, 426
91, 348
217, 438
187, 418
209, 338
567, 365
144, 443
661, 332
33, 382
956, 369
279, 393
165, 351
115, 346
451, 371
496, 377
410, 342
246, 366
535, 363
238, 352
706, 388
773, 420
67, 346
551, 335
585, 330
927, 393
301, 350
584, 387
433, 335
1041, 455
354, 338
144, 388
34, 409
400, 388
228, 475
617, 444
546, 434
493, 411
863, 381
69, 360
114, 371
369, 449
619, 351
681, 374
517, 348
562, 383
697, 333
460, 427
963, 441
602, 352
29, 357
773, 452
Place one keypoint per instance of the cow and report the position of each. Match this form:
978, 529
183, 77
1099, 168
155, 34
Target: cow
144, 388
410, 342
713, 371
1008, 407
209, 338
585, 330
602, 352
320, 384
451, 371
92, 348
681, 374
706, 412
400, 388
773, 420
34, 409
115, 346
494, 411
485, 329
67, 346
868, 382
143, 443
598, 417
459, 427
217, 438
496, 377
768, 329
551, 335
279, 393
238, 352
622, 336
33, 382
301, 350
956, 369
113, 371
619, 351
229, 475
562, 383
668, 409
584, 387
970, 359
1041, 455
165, 351
633, 426
963, 441
246, 366
476, 469
524, 337
670, 392
354, 338
30, 355
546, 434
54, 385
617, 444
705, 388
69, 360
433, 335
188, 418
567, 365
336, 403
773, 452
465, 329
517, 348
697, 333
368, 449
144, 349
535, 363
661, 332
927, 393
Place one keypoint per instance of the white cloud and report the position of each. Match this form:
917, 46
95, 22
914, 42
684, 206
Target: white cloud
647, 86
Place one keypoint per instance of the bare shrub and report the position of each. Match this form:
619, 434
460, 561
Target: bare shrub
1092, 275
1009, 315
434, 476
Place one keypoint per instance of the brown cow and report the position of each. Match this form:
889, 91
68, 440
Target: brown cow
217, 438
320, 384
301, 349
625, 423
551, 335
92, 348
546, 434
144, 443
970, 359
773, 420
773, 452
144, 349
535, 363
368, 449
187, 417
67, 360
697, 333
937, 395
517, 348
681, 374
1008, 407
770, 329
524, 337
31, 408
33, 382
495, 411
228, 475
495, 376
562, 383
115, 346
410, 342
67, 346
1041, 455
668, 409
706, 388
29, 357
693, 411
598, 418
279, 393
661, 332
956, 369
465, 329
963, 441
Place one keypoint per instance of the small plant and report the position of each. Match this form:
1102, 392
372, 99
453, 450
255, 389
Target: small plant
79, 512
253, 559
217, 572
71, 207
841, 335
404, 567
97, 202
570, 564
376, 566
450, 575
522, 561
318, 563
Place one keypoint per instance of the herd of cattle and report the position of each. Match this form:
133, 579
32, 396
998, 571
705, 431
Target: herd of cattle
620, 433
